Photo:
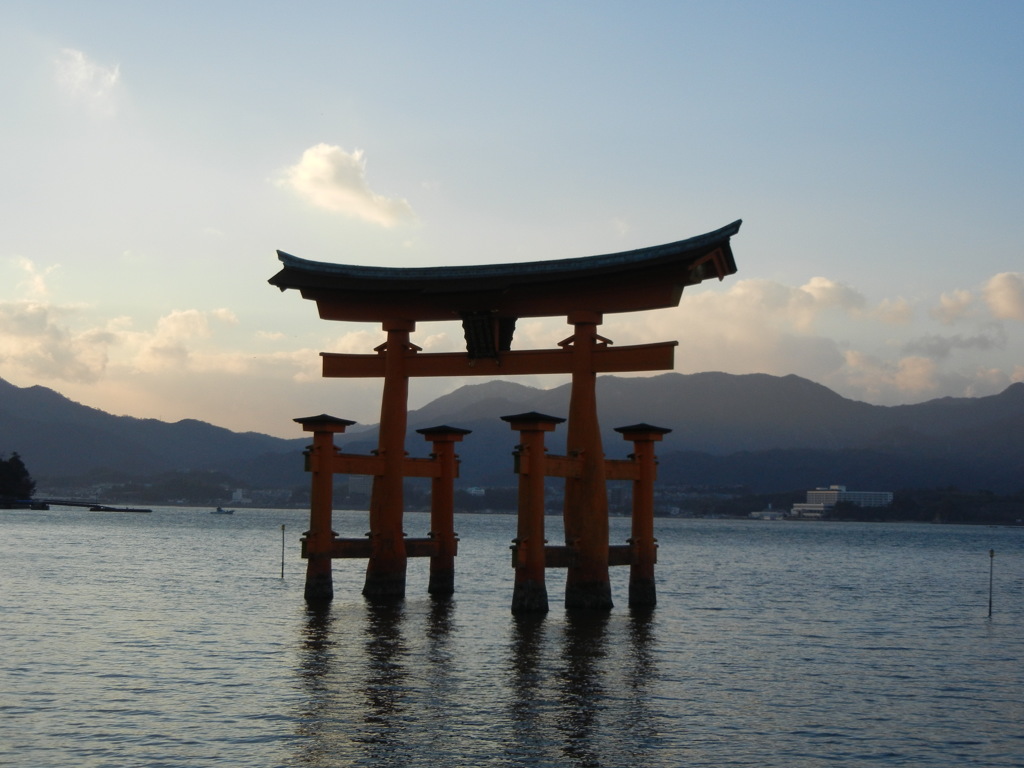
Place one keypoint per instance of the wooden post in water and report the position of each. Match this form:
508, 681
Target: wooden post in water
643, 546
991, 570
319, 539
442, 507
530, 593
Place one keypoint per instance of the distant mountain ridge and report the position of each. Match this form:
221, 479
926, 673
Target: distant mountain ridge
764, 432
58, 437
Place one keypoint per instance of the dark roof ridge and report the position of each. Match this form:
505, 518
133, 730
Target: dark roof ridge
609, 261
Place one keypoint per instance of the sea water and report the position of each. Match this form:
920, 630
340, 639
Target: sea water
172, 639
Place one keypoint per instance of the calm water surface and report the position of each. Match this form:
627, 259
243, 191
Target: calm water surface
171, 639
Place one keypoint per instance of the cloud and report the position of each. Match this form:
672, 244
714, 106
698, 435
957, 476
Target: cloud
953, 306
883, 381
35, 284
1004, 294
40, 340
941, 347
333, 179
172, 343
752, 326
36, 338
752, 309
894, 311
87, 81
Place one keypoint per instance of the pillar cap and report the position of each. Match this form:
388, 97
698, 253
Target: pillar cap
534, 420
634, 431
323, 423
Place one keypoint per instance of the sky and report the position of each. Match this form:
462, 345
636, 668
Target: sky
154, 157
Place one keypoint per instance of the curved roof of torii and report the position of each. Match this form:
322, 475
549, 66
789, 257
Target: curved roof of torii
646, 278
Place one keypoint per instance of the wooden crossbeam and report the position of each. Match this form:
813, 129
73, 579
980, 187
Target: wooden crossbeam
621, 469
563, 555
572, 466
639, 357
361, 464
353, 549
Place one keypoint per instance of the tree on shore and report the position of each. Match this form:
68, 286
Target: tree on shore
16, 484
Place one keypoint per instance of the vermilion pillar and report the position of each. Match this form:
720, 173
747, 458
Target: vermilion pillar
586, 497
530, 592
643, 545
385, 571
318, 540
442, 507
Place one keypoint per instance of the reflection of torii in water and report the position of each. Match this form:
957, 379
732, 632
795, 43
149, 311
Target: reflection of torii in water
489, 299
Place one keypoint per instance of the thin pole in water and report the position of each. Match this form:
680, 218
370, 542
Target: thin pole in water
991, 567
282, 561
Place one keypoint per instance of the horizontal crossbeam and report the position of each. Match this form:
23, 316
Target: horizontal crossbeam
361, 464
353, 549
640, 357
572, 466
564, 556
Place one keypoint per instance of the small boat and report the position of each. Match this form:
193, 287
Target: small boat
222, 511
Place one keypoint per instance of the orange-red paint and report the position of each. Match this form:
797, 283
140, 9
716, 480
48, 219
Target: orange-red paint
529, 593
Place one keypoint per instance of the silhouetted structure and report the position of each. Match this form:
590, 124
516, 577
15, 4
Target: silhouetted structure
489, 299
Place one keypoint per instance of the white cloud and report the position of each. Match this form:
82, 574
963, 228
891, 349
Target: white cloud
1004, 294
821, 331
35, 285
886, 381
331, 178
172, 344
953, 306
86, 80
36, 338
894, 311
361, 342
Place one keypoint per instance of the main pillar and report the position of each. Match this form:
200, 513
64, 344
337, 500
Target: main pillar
385, 570
586, 497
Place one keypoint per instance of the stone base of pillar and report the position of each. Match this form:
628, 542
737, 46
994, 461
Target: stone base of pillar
442, 582
319, 587
384, 587
529, 597
642, 594
595, 595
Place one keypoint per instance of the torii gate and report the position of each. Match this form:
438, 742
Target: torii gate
489, 299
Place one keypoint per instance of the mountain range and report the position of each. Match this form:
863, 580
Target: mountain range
765, 433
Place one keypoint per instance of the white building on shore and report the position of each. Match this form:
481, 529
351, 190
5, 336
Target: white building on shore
820, 500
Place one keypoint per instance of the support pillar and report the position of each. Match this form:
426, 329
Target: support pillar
643, 545
586, 497
530, 594
385, 570
442, 507
317, 542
